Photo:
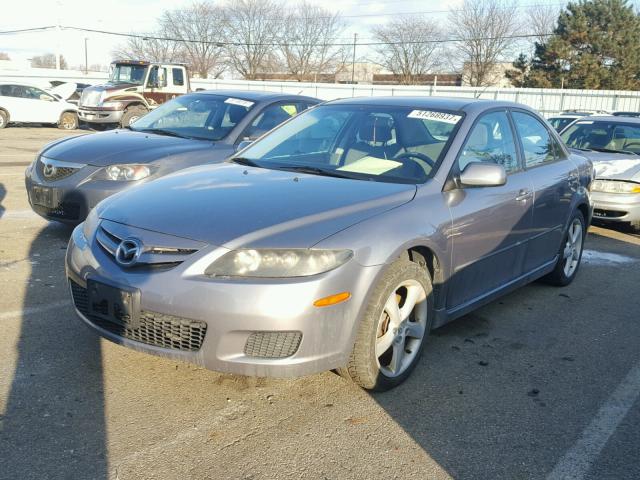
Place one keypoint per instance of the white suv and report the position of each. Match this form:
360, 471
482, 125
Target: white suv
29, 104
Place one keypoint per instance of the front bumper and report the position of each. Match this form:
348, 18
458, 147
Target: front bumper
616, 207
96, 115
234, 310
75, 195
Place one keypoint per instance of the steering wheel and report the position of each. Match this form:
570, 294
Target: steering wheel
413, 155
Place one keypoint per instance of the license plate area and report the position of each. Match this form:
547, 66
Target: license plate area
45, 196
116, 304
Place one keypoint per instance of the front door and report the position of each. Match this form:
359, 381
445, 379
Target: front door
490, 224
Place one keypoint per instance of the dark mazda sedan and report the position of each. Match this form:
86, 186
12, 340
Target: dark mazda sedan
70, 176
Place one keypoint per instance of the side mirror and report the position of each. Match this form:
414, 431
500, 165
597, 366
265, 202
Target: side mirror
481, 174
244, 143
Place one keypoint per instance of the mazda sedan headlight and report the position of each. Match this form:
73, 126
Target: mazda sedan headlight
615, 186
123, 173
277, 263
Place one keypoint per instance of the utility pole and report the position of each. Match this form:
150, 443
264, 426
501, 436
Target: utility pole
58, 35
86, 58
353, 63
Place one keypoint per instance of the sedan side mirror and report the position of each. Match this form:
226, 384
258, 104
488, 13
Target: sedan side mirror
481, 174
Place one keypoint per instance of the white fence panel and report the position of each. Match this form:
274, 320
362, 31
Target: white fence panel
547, 101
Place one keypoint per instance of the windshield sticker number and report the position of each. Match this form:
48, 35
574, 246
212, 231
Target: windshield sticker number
238, 101
438, 116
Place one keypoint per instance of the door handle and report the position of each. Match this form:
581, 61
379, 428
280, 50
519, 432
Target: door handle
524, 195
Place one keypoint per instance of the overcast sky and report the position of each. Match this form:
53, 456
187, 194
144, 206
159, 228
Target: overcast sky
139, 16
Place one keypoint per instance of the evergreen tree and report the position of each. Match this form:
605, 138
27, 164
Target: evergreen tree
596, 45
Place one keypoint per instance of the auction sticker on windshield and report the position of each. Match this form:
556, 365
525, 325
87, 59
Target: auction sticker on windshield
238, 101
431, 115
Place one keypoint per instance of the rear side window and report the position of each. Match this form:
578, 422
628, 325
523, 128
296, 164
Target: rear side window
270, 118
537, 143
491, 140
178, 76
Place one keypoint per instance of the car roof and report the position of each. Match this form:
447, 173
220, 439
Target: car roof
255, 96
468, 105
613, 119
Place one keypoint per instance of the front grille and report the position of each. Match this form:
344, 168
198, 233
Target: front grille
58, 172
90, 97
272, 344
157, 329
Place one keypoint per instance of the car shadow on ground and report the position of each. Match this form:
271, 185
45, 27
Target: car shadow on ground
53, 423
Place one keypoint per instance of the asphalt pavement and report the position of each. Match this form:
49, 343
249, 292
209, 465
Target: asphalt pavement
543, 383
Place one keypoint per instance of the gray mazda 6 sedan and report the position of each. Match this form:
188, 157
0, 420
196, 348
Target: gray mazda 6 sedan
337, 241
70, 176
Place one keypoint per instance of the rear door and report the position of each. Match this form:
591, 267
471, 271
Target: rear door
490, 224
554, 177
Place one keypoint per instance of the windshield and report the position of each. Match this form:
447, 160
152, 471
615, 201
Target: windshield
601, 135
558, 123
387, 144
206, 117
127, 73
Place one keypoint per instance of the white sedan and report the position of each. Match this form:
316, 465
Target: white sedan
29, 104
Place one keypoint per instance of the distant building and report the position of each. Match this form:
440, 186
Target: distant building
497, 77
441, 79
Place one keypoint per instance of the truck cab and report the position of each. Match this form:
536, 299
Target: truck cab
133, 89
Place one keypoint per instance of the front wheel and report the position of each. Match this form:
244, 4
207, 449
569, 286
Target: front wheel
68, 121
570, 253
131, 115
391, 335
4, 119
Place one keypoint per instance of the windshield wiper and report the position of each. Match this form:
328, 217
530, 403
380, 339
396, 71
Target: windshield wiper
244, 161
610, 150
160, 131
315, 171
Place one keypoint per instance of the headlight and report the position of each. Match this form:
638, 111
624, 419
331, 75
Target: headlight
615, 186
116, 105
90, 224
277, 263
123, 173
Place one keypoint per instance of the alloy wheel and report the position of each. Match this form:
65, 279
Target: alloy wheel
401, 328
573, 248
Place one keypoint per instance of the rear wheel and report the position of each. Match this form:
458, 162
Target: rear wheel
132, 114
68, 121
4, 119
570, 253
391, 335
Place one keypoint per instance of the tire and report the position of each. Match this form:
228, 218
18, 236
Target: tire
132, 114
635, 226
4, 119
570, 252
68, 121
374, 355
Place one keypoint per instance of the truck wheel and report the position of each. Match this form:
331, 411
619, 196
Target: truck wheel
4, 119
68, 121
132, 114
394, 328
635, 226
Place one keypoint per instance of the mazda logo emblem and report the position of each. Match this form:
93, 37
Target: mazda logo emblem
49, 170
128, 252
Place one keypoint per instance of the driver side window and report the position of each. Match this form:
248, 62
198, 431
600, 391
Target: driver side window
491, 140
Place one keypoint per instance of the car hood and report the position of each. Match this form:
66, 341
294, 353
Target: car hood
615, 166
234, 206
122, 146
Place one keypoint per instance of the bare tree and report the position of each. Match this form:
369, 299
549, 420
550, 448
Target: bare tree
252, 31
542, 20
200, 27
484, 28
409, 47
307, 42
48, 60
150, 49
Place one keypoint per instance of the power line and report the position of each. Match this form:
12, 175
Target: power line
27, 30
275, 44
